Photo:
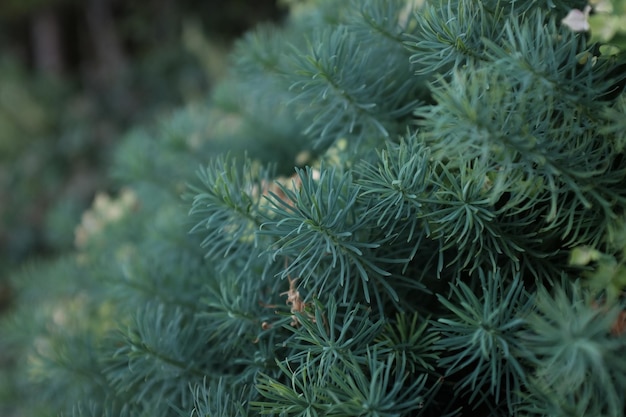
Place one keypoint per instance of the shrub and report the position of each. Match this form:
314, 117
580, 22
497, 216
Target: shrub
451, 243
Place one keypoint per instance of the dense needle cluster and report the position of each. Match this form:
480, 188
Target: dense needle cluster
452, 243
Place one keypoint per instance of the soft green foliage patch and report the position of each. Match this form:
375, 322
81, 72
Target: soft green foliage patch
451, 242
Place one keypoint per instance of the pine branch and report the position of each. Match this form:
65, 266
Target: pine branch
236, 306
410, 338
578, 357
379, 386
450, 36
220, 400
161, 348
394, 187
226, 210
479, 338
333, 333
342, 101
319, 231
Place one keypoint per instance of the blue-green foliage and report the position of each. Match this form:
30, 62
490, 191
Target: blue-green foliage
451, 242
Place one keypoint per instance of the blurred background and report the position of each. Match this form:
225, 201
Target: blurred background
76, 74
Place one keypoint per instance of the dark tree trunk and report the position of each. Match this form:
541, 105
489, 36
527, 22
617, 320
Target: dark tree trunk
108, 51
47, 43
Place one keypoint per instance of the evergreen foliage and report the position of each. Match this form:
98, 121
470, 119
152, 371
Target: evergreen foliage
452, 242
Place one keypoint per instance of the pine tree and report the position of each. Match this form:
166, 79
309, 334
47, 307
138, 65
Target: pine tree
451, 242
